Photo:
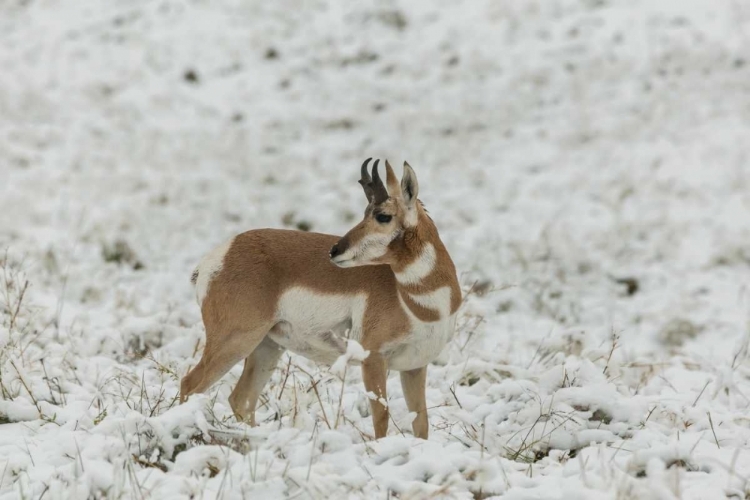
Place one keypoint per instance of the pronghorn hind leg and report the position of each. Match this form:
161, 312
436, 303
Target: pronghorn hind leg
374, 372
259, 366
413, 384
221, 353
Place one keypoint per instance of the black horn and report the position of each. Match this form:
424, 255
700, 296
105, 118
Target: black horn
366, 180
380, 193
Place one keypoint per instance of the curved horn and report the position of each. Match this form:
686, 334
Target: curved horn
379, 190
366, 180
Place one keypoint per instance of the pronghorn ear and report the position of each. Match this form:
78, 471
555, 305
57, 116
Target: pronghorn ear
409, 185
392, 181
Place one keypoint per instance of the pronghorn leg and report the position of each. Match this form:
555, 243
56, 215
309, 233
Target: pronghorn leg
221, 353
374, 373
413, 384
258, 369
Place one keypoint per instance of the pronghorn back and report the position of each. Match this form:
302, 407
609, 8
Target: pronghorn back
272, 274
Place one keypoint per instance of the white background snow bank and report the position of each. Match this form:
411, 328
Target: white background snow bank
568, 150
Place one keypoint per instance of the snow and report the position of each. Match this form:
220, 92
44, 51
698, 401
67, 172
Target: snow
354, 353
586, 162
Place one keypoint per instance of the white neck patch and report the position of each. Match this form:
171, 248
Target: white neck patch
420, 268
437, 300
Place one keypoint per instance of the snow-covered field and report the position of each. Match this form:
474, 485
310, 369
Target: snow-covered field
587, 163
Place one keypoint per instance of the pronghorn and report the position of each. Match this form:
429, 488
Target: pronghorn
389, 283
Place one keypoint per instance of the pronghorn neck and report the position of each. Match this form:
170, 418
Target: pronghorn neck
425, 274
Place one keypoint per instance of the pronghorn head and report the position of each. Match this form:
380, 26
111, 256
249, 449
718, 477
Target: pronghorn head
391, 212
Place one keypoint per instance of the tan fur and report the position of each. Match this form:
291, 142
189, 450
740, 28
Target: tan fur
241, 309
413, 383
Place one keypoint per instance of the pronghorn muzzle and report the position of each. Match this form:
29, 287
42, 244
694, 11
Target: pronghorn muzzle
340, 254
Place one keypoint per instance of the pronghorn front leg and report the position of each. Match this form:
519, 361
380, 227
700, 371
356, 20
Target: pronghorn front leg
413, 383
374, 372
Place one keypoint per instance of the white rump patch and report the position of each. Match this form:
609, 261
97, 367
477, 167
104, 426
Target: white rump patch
209, 267
420, 268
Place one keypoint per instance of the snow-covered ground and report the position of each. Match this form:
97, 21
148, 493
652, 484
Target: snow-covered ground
587, 163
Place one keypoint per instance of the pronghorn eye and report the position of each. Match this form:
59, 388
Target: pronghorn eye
383, 218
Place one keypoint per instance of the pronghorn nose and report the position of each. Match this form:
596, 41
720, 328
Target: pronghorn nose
334, 251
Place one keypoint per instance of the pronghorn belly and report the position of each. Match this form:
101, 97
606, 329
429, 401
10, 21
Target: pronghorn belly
319, 346
316, 325
422, 345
